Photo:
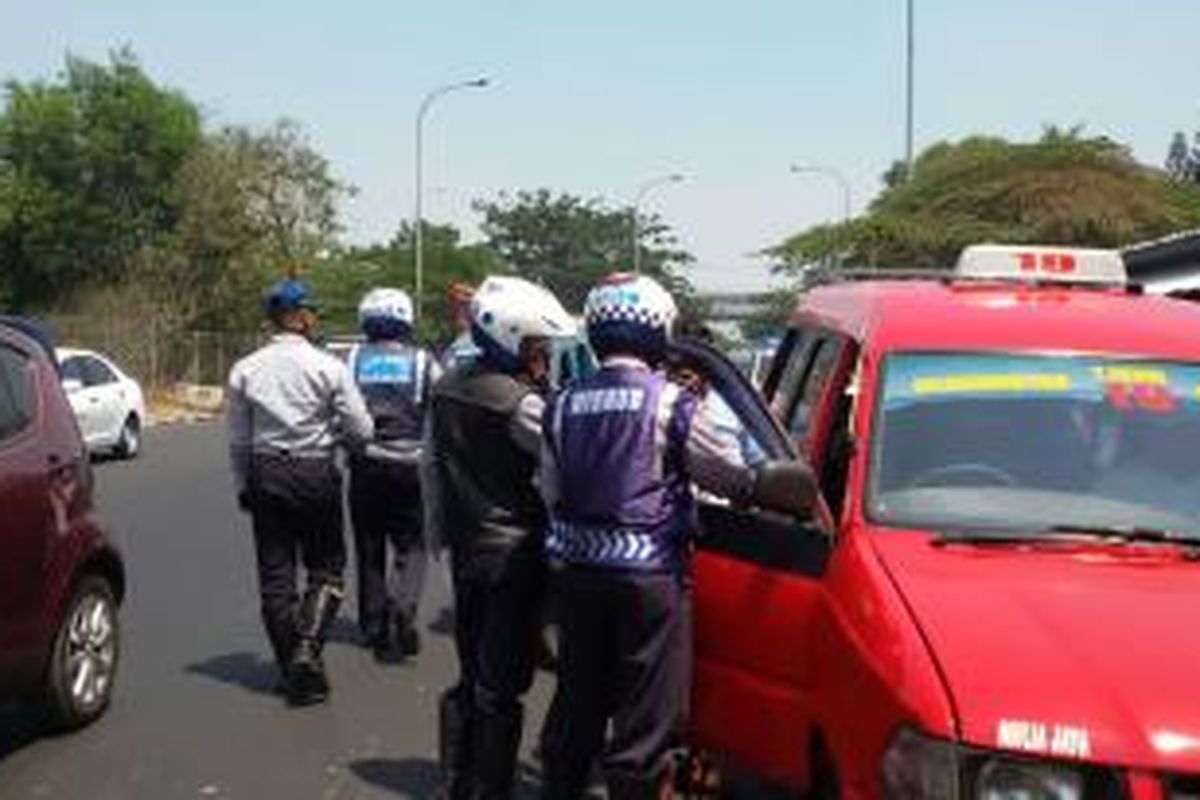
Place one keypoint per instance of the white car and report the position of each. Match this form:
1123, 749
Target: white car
108, 404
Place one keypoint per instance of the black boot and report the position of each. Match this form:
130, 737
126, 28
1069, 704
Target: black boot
307, 683
408, 640
281, 632
454, 745
497, 739
379, 641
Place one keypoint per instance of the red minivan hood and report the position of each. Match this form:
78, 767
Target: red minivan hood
1073, 651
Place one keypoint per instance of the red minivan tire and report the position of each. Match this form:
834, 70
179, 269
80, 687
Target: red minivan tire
83, 663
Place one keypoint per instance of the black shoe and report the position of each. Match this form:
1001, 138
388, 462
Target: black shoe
380, 645
408, 639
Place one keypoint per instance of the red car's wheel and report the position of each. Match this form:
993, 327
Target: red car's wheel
83, 663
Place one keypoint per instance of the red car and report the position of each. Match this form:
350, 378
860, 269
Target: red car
998, 606
61, 580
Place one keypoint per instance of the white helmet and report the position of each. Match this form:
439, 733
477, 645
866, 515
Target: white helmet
385, 312
631, 313
505, 310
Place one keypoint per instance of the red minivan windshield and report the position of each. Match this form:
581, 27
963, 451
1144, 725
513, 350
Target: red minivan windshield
1036, 443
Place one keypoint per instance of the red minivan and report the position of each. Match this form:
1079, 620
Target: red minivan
61, 579
998, 603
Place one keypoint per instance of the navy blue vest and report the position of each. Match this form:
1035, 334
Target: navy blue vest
624, 499
393, 378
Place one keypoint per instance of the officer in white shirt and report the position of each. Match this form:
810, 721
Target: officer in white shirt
290, 406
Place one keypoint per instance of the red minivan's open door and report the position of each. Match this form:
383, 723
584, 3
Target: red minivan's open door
756, 575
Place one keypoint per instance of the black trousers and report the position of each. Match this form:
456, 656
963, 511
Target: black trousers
296, 508
498, 597
385, 506
625, 656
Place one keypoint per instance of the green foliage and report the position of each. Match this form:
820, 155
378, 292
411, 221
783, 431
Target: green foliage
256, 205
1180, 165
340, 281
772, 318
109, 188
1183, 161
568, 243
1063, 189
87, 167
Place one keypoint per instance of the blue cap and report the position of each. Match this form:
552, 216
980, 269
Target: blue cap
287, 295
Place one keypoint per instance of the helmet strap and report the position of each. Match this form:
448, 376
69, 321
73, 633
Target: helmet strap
492, 355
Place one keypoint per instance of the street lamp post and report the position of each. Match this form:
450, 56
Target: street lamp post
910, 52
422, 110
835, 175
643, 189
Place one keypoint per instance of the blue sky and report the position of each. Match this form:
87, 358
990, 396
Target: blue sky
595, 97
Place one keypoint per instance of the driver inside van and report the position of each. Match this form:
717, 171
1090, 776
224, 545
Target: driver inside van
1149, 458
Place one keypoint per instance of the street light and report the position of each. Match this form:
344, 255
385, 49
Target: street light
836, 175
418, 254
643, 189
908, 126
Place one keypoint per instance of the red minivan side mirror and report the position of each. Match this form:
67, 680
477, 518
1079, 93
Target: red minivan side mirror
787, 487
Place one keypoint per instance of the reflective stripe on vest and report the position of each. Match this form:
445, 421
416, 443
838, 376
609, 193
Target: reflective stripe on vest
392, 381
625, 549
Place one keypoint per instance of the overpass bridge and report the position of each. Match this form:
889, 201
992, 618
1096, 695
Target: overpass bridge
734, 306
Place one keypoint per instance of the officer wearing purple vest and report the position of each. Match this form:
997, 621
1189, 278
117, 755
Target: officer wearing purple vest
483, 445
622, 449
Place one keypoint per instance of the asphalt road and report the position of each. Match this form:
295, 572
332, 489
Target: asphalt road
194, 716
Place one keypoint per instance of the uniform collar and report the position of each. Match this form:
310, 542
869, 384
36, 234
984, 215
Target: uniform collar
287, 337
623, 361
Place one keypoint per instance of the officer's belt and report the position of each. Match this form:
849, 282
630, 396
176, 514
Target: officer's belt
283, 454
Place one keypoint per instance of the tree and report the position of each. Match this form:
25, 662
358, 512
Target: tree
87, 175
896, 174
341, 280
1062, 189
568, 243
771, 319
1180, 165
256, 205
1194, 158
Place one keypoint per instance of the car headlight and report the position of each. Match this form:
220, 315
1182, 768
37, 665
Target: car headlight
917, 767
1011, 779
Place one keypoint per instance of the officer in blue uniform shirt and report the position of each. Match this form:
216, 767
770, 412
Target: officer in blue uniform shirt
395, 377
622, 449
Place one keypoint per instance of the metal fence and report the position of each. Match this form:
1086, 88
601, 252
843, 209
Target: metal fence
158, 358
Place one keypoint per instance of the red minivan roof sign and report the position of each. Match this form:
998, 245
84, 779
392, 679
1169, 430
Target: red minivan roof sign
1040, 263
